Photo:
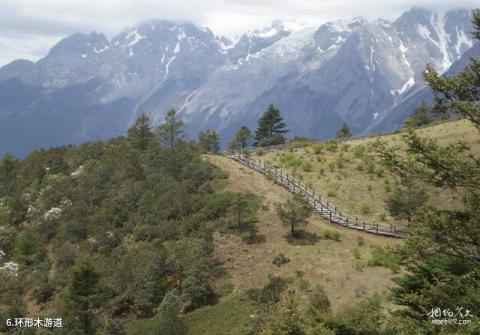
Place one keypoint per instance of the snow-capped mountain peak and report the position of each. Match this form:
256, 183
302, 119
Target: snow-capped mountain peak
344, 70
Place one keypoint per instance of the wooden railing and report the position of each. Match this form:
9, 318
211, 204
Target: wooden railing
319, 205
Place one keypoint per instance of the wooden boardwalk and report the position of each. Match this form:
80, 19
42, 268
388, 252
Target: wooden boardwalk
319, 205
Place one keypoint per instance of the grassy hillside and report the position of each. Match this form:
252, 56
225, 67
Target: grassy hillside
175, 242
324, 256
348, 174
340, 260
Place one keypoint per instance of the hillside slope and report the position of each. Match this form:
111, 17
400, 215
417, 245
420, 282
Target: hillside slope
322, 261
350, 176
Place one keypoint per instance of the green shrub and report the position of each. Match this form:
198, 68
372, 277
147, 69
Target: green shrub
249, 237
345, 147
365, 208
360, 167
246, 152
280, 259
359, 151
260, 151
383, 257
369, 188
340, 161
379, 172
382, 216
44, 290
358, 264
307, 167
331, 166
290, 159
355, 253
319, 301
270, 293
27, 247
317, 148
331, 194
331, 235
369, 165
361, 318
331, 145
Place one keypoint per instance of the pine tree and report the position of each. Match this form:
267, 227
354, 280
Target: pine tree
140, 134
243, 137
233, 145
443, 236
406, 200
81, 299
8, 167
284, 318
344, 132
270, 128
240, 206
170, 132
209, 141
293, 213
420, 117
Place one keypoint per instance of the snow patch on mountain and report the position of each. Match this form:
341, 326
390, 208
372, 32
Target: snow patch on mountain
438, 22
408, 84
462, 39
134, 37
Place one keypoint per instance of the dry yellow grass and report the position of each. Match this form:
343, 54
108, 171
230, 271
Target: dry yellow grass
359, 193
325, 262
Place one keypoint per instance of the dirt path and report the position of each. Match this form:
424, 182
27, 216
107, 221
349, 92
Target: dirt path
321, 261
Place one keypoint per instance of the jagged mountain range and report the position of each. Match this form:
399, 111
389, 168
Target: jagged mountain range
89, 87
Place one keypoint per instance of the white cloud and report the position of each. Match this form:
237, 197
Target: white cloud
28, 28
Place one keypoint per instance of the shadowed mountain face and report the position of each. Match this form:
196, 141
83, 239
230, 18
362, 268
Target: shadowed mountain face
395, 117
364, 73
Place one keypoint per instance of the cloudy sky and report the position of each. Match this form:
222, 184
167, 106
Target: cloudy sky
28, 28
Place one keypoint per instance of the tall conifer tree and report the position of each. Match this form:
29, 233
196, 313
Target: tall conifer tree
170, 132
443, 249
271, 128
140, 134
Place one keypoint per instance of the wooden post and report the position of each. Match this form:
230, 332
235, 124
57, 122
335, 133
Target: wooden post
363, 225
330, 216
347, 222
377, 228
